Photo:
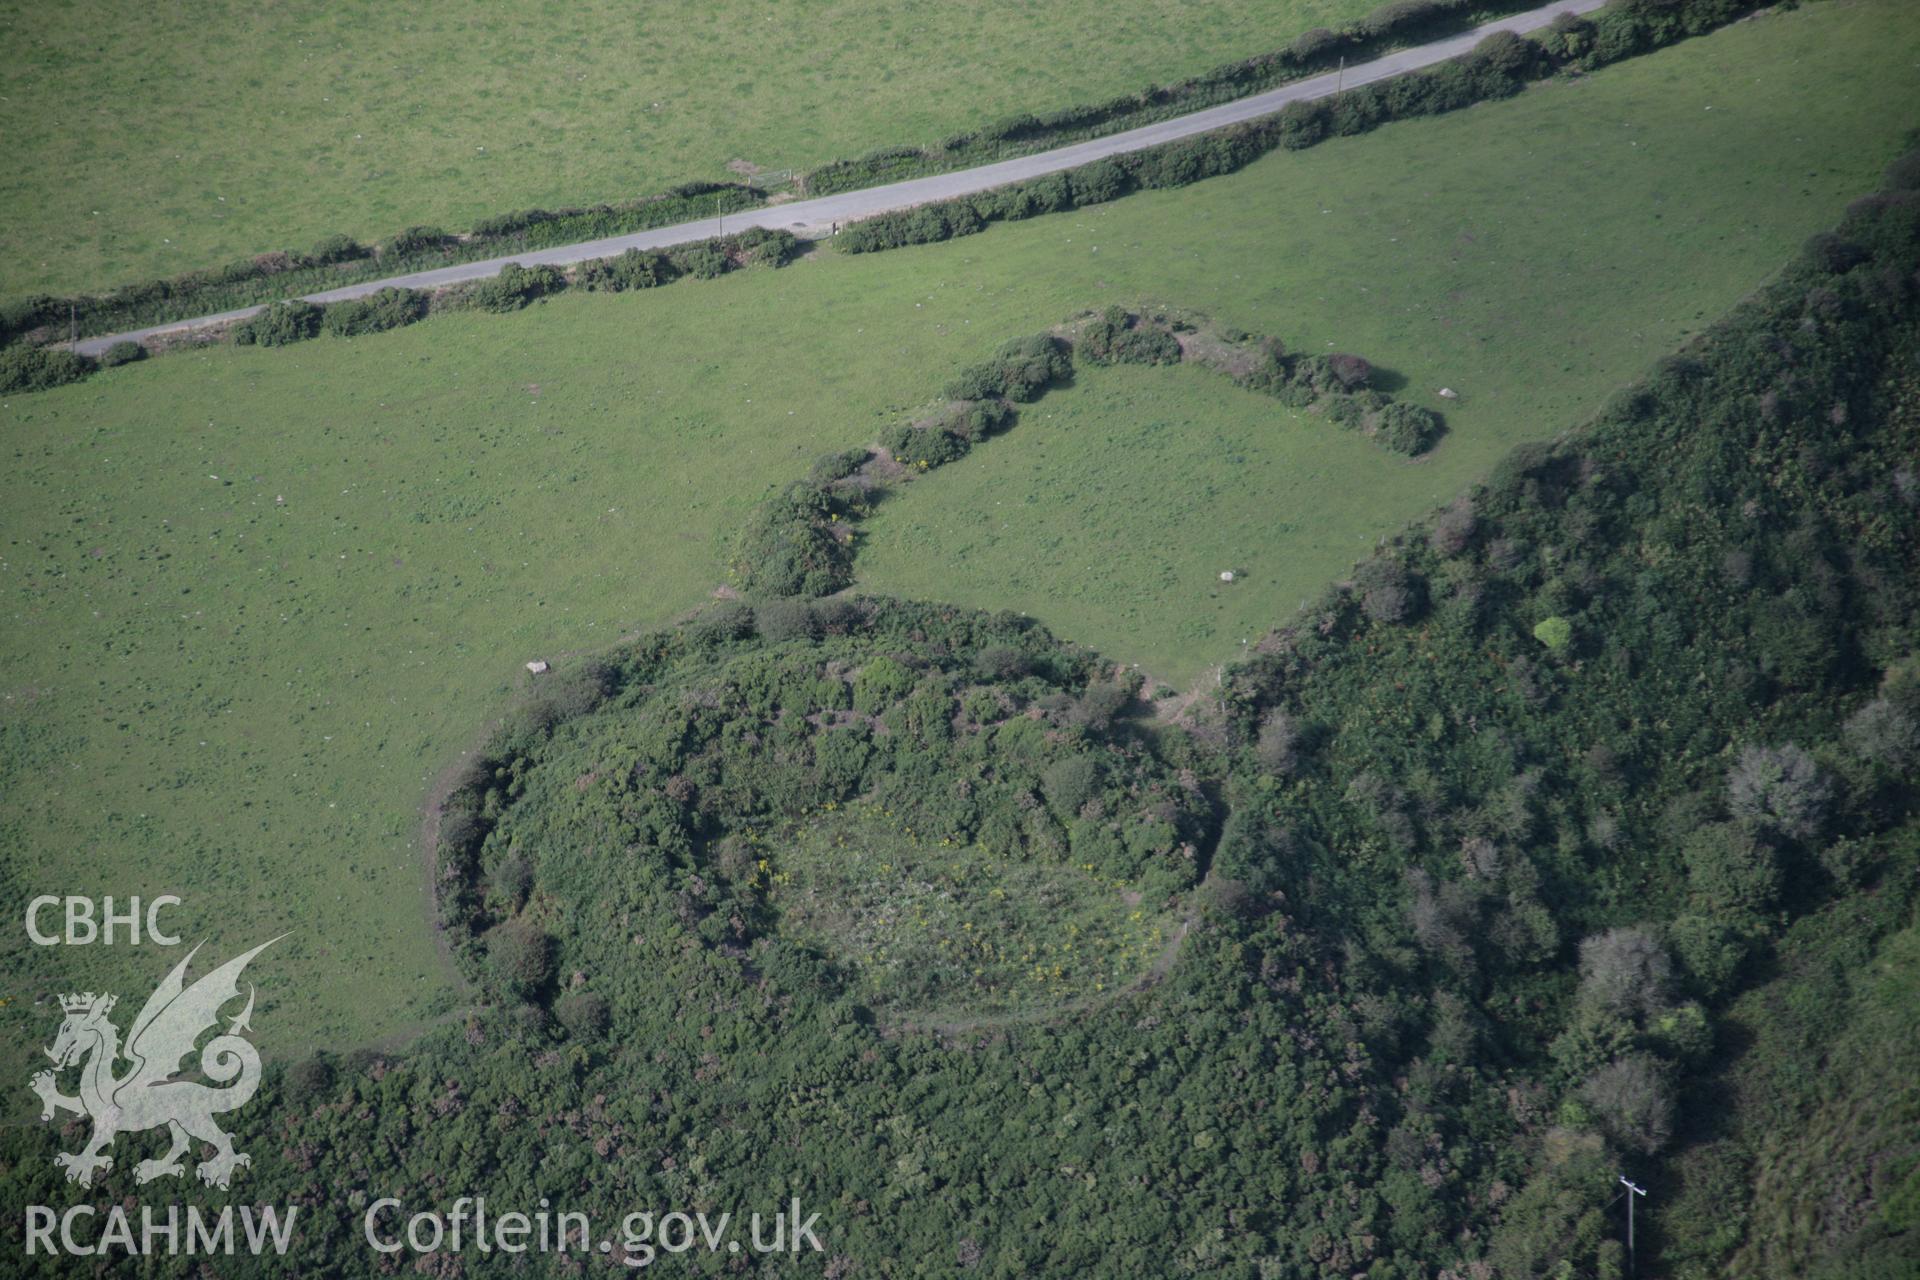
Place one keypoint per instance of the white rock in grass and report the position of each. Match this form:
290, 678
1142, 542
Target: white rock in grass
1226, 575
537, 667
1448, 393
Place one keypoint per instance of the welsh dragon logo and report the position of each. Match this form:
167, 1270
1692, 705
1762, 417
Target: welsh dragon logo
146, 1096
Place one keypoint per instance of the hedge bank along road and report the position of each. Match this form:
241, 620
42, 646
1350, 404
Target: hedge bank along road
817, 217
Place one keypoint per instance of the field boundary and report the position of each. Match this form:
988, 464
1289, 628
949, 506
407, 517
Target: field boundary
338, 259
822, 216
802, 542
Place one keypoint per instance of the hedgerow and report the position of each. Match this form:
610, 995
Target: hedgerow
515, 287
1019, 371
1116, 336
376, 313
802, 541
1459, 898
1500, 66
27, 368
519, 286
1395, 24
280, 324
1338, 384
40, 368
338, 260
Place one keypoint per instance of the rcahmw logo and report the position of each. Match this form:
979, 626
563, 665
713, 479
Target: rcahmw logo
145, 1095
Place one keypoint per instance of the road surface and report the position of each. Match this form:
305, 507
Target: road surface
815, 217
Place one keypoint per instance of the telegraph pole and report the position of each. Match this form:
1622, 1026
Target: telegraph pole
1632, 1191
1340, 79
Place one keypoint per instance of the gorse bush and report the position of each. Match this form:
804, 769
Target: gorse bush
795, 545
634, 269
759, 246
122, 353
704, 263
280, 324
1116, 336
1407, 428
40, 368
415, 241
336, 248
515, 287
376, 313
1019, 371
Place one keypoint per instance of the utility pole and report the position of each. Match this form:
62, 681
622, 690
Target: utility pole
1632, 1191
1340, 79
719, 214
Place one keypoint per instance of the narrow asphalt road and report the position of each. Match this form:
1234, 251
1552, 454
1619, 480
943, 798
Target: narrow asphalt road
815, 217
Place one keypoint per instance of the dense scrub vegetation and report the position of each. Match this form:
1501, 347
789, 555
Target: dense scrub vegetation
1475, 857
722, 755
1500, 66
40, 368
1587, 742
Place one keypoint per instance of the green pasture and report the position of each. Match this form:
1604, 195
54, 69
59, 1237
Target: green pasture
146, 140
254, 601
1122, 501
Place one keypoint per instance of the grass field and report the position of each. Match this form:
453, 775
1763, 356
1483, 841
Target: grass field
253, 600
1115, 506
135, 147
931, 929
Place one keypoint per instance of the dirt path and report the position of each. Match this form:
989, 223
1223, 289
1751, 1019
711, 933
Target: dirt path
818, 217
